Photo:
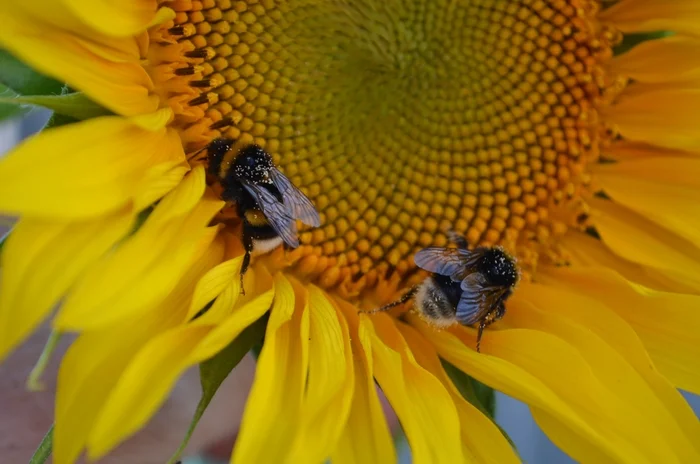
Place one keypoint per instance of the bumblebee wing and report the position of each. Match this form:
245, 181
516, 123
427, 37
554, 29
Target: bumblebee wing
478, 299
302, 208
275, 212
444, 261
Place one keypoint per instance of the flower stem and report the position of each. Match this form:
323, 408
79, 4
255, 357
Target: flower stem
42, 453
34, 382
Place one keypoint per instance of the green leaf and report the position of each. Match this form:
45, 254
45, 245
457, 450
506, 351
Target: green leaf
481, 396
25, 80
75, 105
213, 371
42, 453
57, 120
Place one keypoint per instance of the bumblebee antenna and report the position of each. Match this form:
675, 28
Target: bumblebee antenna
407, 296
458, 239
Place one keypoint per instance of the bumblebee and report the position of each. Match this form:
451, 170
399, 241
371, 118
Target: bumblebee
267, 202
467, 286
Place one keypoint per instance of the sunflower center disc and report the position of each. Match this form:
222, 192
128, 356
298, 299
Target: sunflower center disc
405, 119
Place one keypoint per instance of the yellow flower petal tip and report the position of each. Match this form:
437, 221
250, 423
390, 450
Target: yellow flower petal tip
514, 124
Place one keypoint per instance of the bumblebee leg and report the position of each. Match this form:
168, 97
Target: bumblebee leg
487, 321
407, 296
248, 244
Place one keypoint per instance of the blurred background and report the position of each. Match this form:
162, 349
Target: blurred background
26, 416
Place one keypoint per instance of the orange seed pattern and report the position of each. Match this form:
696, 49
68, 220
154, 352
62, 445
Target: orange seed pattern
400, 119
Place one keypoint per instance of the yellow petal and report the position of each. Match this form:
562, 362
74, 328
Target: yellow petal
143, 387
242, 316
640, 240
426, 411
570, 424
146, 267
630, 150
49, 176
224, 277
652, 15
366, 437
666, 190
587, 251
637, 388
663, 60
93, 364
125, 18
41, 260
590, 386
88, 63
481, 440
667, 323
278, 390
121, 19
330, 383
661, 116
149, 377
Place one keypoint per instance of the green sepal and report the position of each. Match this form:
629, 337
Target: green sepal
23, 79
42, 453
479, 395
74, 105
212, 373
9, 110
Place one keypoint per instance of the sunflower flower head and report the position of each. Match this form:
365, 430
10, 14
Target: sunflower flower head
517, 124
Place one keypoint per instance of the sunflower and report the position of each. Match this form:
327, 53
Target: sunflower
513, 123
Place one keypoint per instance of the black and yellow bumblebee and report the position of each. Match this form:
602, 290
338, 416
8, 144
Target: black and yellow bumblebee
267, 202
466, 286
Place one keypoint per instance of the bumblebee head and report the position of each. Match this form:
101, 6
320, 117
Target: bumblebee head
498, 267
253, 164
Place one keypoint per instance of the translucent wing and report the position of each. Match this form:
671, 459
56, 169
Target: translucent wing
444, 261
300, 205
478, 299
275, 212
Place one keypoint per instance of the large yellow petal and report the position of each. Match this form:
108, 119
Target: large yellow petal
222, 278
119, 19
653, 15
93, 364
666, 190
587, 251
573, 414
41, 261
642, 241
667, 323
92, 63
330, 383
122, 19
88, 169
425, 408
584, 309
270, 420
149, 377
642, 392
663, 60
664, 116
366, 437
481, 440
146, 267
